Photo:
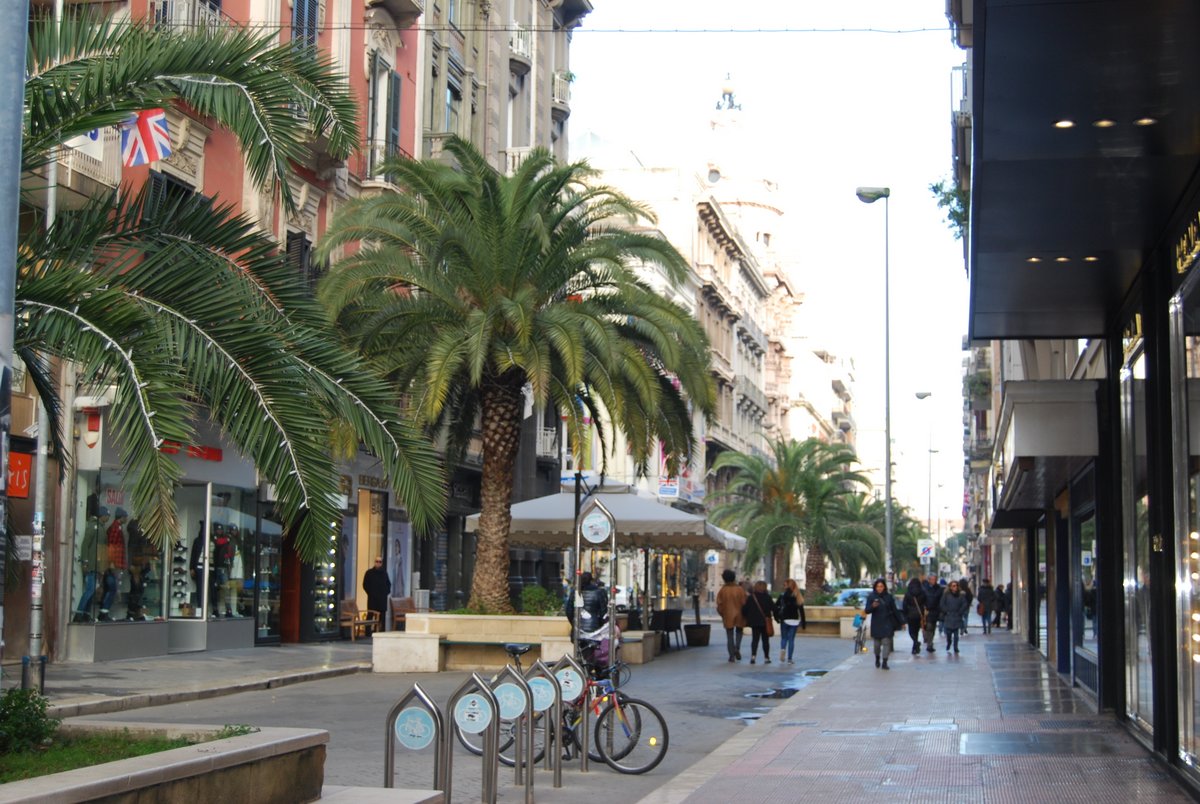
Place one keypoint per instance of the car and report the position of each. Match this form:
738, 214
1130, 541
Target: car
855, 597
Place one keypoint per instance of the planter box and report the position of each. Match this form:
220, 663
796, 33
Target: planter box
433, 642
697, 634
271, 765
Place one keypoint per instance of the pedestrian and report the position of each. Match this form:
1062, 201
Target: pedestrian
954, 607
933, 600
986, 603
885, 619
730, 599
759, 613
788, 611
914, 612
378, 586
1000, 605
965, 589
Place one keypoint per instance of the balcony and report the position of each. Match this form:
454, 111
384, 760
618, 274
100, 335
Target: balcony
377, 152
86, 168
513, 157
750, 395
843, 421
187, 14
520, 50
547, 443
560, 94
404, 12
433, 144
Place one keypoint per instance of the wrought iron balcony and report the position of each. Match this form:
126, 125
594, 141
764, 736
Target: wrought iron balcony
188, 14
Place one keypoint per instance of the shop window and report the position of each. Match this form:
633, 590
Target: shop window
1136, 542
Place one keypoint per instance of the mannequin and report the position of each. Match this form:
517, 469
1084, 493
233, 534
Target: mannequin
196, 566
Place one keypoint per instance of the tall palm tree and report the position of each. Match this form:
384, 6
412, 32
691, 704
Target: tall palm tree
473, 289
787, 497
855, 540
180, 305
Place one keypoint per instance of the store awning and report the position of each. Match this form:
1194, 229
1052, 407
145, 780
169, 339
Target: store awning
548, 523
733, 542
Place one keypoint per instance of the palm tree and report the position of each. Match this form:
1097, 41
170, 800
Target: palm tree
855, 541
180, 305
788, 497
473, 289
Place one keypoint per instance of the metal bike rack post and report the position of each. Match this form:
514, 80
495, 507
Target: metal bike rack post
415, 727
571, 676
547, 699
473, 708
516, 704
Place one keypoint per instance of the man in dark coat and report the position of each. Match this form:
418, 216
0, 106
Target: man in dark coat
933, 605
378, 586
594, 612
987, 604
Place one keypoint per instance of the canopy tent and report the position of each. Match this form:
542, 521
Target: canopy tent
733, 542
549, 523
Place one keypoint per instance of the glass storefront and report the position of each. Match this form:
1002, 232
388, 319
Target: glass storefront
1135, 504
1185, 405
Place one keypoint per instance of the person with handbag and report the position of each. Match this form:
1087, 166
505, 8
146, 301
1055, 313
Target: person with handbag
954, 608
759, 612
985, 605
914, 613
788, 612
886, 619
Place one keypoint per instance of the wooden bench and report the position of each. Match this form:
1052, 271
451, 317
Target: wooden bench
364, 622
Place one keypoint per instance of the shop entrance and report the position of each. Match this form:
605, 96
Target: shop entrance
370, 542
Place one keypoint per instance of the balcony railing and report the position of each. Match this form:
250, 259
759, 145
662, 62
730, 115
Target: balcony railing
105, 170
377, 152
547, 442
561, 87
188, 14
520, 42
514, 157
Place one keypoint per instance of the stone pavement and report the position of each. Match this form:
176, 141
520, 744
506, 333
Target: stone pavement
992, 724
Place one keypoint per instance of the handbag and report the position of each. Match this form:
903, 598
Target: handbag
769, 628
979, 609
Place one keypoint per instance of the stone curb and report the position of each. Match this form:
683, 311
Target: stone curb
725, 754
106, 705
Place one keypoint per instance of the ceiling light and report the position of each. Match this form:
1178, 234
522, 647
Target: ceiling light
1091, 259
1062, 259
1145, 121
1103, 123
1034, 259
1064, 124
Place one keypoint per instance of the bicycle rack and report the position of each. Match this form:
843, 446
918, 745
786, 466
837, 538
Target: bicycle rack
547, 698
416, 728
474, 709
571, 676
515, 702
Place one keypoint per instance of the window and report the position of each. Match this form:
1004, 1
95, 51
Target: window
304, 23
453, 108
299, 257
383, 113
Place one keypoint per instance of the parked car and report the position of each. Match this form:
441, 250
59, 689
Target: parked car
856, 597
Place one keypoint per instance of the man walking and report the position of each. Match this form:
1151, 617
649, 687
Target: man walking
933, 607
730, 600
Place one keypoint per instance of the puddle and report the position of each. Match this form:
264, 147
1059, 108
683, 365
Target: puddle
746, 717
815, 673
782, 692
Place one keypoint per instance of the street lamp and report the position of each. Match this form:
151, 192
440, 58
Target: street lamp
869, 195
929, 473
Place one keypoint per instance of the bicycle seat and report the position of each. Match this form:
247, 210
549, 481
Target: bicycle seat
515, 649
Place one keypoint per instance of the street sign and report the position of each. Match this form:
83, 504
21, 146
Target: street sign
925, 561
925, 549
711, 557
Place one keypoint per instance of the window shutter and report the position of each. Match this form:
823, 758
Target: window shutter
299, 255
393, 114
373, 115
304, 23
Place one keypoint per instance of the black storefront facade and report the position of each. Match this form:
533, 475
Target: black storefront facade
1085, 226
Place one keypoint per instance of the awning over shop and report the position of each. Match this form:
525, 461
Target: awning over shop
548, 523
733, 542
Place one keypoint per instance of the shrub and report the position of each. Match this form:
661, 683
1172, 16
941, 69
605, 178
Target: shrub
537, 600
822, 599
24, 724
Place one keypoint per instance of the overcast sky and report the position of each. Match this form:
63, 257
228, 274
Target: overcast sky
826, 106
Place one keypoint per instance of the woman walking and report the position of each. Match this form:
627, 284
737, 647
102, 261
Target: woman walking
787, 612
987, 602
758, 613
914, 612
885, 619
954, 610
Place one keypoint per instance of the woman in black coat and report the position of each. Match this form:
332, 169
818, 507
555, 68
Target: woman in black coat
885, 619
914, 612
758, 610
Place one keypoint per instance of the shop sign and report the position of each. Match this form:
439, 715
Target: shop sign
18, 475
198, 451
371, 482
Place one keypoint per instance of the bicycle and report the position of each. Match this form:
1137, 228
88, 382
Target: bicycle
629, 735
860, 635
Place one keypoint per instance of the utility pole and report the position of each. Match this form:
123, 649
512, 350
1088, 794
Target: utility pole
12, 105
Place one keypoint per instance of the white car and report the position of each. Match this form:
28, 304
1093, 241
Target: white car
844, 597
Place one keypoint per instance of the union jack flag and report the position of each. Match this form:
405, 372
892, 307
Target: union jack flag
144, 138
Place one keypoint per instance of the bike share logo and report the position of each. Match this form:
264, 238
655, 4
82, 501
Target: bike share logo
414, 728
570, 682
473, 713
511, 699
543, 693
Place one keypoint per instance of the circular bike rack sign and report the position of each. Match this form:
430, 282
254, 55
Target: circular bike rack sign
543, 693
414, 728
570, 682
511, 699
473, 713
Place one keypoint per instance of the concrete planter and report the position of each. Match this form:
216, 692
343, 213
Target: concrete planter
272, 765
432, 642
697, 634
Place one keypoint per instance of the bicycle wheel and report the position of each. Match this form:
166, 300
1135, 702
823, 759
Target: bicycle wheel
507, 741
572, 718
632, 736
621, 673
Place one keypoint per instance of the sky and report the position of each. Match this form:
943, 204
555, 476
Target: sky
834, 95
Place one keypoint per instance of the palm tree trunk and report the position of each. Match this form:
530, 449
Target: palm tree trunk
814, 570
502, 406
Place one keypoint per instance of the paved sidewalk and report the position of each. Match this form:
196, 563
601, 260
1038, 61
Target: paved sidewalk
993, 724
86, 688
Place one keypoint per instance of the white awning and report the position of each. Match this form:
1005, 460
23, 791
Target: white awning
733, 542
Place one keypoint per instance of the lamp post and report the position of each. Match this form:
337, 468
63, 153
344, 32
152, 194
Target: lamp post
929, 474
869, 195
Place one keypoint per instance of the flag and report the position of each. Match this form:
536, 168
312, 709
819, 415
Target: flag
145, 139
